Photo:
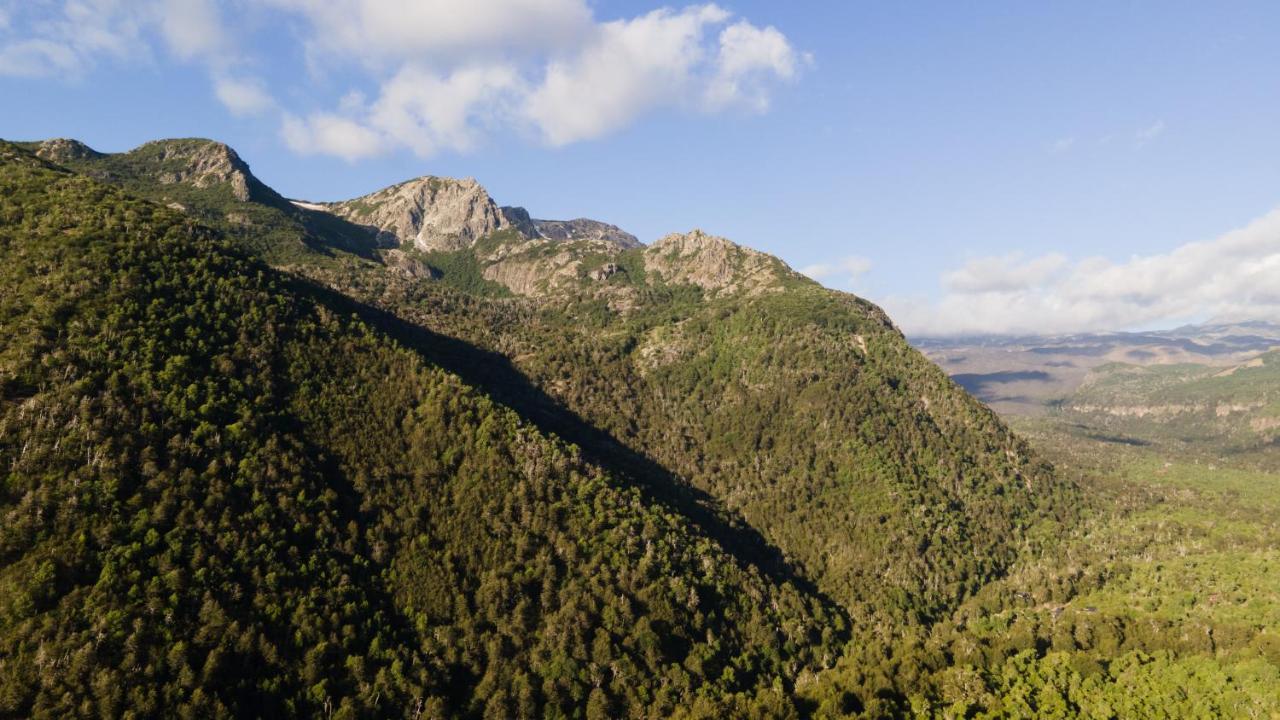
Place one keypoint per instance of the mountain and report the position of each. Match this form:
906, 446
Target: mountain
212, 467
418, 449
1029, 375
584, 229
1236, 408
431, 213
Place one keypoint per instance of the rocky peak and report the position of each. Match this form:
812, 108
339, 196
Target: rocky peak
585, 229
714, 263
62, 150
518, 218
433, 213
199, 163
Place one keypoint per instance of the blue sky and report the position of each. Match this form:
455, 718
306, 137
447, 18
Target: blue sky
1000, 166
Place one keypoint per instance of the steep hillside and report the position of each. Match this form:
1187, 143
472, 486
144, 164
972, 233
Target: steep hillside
226, 494
801, 410
209, 182
790, 425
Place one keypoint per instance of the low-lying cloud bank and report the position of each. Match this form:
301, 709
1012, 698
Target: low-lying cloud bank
1233, 277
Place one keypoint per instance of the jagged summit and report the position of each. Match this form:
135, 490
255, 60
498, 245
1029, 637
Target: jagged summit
449, 214
432, 213
201, 163
715, 264
587, 229
61, 150
533, 257
198, 163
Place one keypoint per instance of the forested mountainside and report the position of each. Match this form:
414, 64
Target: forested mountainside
411, 455
224, 494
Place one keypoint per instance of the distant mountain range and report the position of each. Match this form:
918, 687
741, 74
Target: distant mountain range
1025, 375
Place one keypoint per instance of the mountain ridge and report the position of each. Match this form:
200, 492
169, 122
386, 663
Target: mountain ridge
779, 416
197, 496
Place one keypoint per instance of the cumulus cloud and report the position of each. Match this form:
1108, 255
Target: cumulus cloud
628, 67
38, 58
542, 67
441, 76
749, 58
380, 32
1003, 274
331, 135
193, 29
426, 111
1232, 277
51, 40
243, 96
571, 80
67, 39
847, 269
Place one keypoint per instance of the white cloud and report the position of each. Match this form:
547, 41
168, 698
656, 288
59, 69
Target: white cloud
331, 135
748, 58
425, 111
66, 39
1235, 276
63, 40
847, 269
243, 96
441, 76
1003, 274
395, 31
566, 77
38, 58
629, 67
193, 29
417, 108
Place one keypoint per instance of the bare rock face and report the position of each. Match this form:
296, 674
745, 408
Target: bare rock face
534, 274
193, 162
585, 229
714, 264
432, 213
199, 163
518, 218
61, 150
407, 266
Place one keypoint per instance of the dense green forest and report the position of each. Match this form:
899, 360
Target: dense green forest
223, 495
259, 464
